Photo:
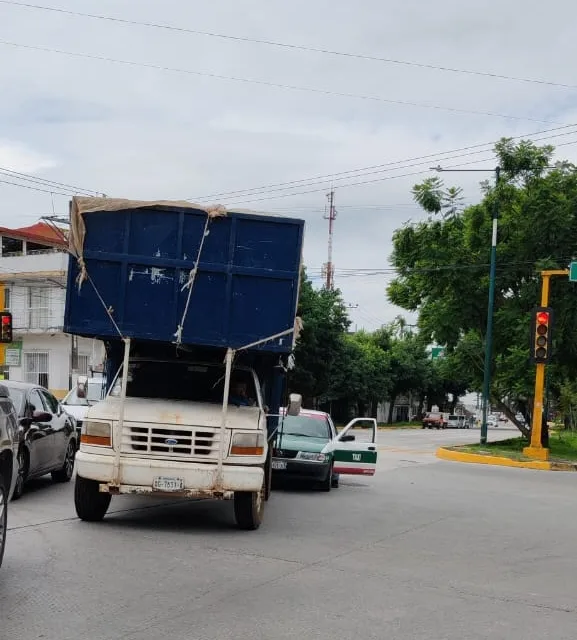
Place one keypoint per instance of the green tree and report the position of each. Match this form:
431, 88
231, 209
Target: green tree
442, 266
320, 344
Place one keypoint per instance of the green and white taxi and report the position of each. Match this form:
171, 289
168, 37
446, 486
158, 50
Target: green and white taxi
309, 447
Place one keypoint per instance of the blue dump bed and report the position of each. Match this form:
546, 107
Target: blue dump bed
136, 262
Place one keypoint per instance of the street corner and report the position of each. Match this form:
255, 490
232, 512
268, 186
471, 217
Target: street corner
457, 454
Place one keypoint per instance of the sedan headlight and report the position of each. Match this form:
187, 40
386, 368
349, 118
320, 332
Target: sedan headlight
247, 444
311, 457
96, 433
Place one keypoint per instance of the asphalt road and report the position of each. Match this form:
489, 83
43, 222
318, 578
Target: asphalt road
425, 549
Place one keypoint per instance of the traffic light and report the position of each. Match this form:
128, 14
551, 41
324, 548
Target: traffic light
5, 327
541, 345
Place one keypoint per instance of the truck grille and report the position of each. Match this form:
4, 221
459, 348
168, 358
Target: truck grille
283, 453
171, 441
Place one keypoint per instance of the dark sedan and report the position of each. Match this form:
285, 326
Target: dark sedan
47, 435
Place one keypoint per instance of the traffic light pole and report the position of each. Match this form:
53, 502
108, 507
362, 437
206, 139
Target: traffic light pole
536, 448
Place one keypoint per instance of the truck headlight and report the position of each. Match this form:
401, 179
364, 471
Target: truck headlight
311, 457
247, 444
96, 433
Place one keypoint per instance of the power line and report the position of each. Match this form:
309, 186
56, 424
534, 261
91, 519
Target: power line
375, 180
388, 166
27, 186
287, 45
45, 182
277, 85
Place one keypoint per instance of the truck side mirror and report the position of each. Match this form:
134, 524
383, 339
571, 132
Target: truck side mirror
81, 387
295, 404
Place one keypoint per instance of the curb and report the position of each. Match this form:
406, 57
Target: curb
477, 458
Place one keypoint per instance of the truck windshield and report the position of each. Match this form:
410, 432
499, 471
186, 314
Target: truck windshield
187, 381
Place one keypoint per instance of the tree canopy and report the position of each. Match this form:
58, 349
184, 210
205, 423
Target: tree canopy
443, 270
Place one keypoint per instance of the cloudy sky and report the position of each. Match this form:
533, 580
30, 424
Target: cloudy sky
155, 132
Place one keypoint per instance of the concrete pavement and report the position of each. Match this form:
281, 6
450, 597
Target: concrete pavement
425, 549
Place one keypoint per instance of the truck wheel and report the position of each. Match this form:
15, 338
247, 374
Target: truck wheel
3, 517
249, 508
268, 476
91, 505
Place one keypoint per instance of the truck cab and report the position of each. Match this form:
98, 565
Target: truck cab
171, 440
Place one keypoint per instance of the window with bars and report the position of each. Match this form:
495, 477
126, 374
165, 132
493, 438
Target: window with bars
36, 368
82, 365
39, 307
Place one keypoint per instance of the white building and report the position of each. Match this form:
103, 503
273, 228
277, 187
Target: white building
33, 268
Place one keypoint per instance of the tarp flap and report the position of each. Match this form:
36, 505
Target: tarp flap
81, 205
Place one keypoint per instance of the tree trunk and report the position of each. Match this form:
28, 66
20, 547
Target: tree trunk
526, 431
391, 409
544, 433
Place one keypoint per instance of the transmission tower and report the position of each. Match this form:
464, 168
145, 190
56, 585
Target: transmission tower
329, 267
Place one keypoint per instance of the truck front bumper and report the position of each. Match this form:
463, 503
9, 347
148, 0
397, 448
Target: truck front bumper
199, 480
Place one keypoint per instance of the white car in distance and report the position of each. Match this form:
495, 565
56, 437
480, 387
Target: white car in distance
87, 393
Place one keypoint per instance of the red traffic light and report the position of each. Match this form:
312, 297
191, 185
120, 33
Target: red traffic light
543, 317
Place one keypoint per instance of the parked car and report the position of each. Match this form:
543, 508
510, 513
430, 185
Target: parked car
434, 420
308, 447
85, 394
457, 421
8, 460
492, 421
47, 439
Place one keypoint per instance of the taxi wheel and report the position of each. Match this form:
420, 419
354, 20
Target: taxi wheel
327, 483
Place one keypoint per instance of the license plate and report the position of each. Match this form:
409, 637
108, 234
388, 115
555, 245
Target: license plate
168, 484
279, 464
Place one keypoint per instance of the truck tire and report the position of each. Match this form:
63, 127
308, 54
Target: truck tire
249, 508
268, 476
91, 505
3, 517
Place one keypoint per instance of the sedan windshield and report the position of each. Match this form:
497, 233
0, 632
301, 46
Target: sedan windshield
305, 426
17, 396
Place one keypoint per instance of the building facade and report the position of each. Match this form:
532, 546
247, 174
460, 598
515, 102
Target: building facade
33, 270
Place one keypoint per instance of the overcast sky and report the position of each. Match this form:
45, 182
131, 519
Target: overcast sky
145, 133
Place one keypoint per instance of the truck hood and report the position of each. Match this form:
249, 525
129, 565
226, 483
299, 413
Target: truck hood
175, 412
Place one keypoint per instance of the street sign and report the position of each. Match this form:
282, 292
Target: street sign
13, 357
437, 352
573, 272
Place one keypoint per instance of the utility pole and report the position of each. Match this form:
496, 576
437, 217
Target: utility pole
331, 217
491, 301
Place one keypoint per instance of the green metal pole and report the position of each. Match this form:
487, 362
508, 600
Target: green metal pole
490, 307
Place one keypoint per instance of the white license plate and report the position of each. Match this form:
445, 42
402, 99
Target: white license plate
279, 464
168, 484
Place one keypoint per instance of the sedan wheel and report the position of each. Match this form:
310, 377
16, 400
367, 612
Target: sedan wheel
21, 477
64, 474
3, 517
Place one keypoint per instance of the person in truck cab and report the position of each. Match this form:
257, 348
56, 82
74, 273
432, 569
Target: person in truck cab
239, 395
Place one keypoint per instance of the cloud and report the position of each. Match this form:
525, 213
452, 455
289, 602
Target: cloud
143, 133
17, 156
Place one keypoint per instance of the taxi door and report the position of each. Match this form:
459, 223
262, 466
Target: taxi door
355, 448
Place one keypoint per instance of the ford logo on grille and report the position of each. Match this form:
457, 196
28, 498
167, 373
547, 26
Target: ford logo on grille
171, 442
